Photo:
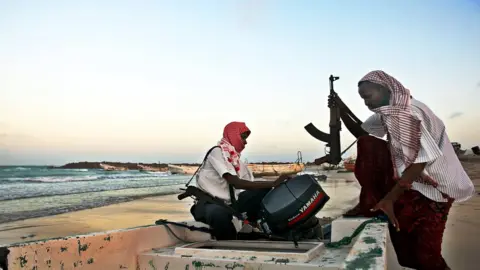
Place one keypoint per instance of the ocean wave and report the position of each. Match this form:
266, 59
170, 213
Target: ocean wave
81, 178
75, 170
16, 169
52, 179
16, 194
160, 173
7, 214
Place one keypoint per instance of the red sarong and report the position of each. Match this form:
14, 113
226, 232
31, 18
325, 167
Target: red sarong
422, 221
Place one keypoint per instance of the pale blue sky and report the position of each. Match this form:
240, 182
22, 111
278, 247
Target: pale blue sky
158, 80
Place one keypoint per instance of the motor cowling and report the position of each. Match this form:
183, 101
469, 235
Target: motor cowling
291, 204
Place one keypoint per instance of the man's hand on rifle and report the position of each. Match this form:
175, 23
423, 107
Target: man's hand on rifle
320, 161
335, 100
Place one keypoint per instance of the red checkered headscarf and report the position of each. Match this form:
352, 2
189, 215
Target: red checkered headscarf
402, 126
232, 143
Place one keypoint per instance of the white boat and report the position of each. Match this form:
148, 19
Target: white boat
175, 247
146, 168
107, 167
182, 169
258, 170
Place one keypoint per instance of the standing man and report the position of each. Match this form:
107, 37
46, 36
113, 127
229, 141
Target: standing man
413, 177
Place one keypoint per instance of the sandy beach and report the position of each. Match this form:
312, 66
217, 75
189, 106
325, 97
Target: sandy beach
342, 189
116, 216
460, 243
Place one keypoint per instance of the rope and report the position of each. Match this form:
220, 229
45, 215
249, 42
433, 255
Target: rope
165, 223
348, 239
343, 242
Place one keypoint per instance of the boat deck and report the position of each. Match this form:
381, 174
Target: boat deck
166, 258
155, 247
367, 251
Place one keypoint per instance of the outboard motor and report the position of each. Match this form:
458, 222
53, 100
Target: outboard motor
291, 204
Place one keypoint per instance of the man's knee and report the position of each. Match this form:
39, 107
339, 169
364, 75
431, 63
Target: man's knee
259, 194
255, 195
215, 214
372, 146
370, 139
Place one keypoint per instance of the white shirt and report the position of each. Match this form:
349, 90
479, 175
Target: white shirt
442, 163
210, 180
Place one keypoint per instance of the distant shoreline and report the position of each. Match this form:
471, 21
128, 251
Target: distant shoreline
135, 165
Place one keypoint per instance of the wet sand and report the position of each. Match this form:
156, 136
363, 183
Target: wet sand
117, 216
461, 241
460, 244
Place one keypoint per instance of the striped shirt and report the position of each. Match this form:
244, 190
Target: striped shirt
436, 150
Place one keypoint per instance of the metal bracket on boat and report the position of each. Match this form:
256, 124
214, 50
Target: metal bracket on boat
333, 138
294, 239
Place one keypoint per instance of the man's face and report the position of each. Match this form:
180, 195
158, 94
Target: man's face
245, 136
374, 97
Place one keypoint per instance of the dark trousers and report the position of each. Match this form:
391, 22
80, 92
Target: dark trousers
220, 219
422, 221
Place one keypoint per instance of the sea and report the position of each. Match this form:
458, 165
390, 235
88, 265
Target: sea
37, 191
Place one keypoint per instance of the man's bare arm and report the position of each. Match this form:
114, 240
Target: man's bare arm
409, 175
245, 184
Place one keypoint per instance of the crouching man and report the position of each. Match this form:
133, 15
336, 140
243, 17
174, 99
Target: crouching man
225, 176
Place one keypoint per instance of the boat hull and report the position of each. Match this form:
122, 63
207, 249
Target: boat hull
182, 169
350, 167
107, 250
155, 247
258, 170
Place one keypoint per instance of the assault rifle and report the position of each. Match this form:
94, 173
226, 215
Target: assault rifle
338, 111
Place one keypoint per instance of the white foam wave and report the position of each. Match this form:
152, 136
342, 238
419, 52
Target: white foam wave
59, 179
53, 179
160, 173
16, 169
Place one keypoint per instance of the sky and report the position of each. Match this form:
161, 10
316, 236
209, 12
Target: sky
156, 81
